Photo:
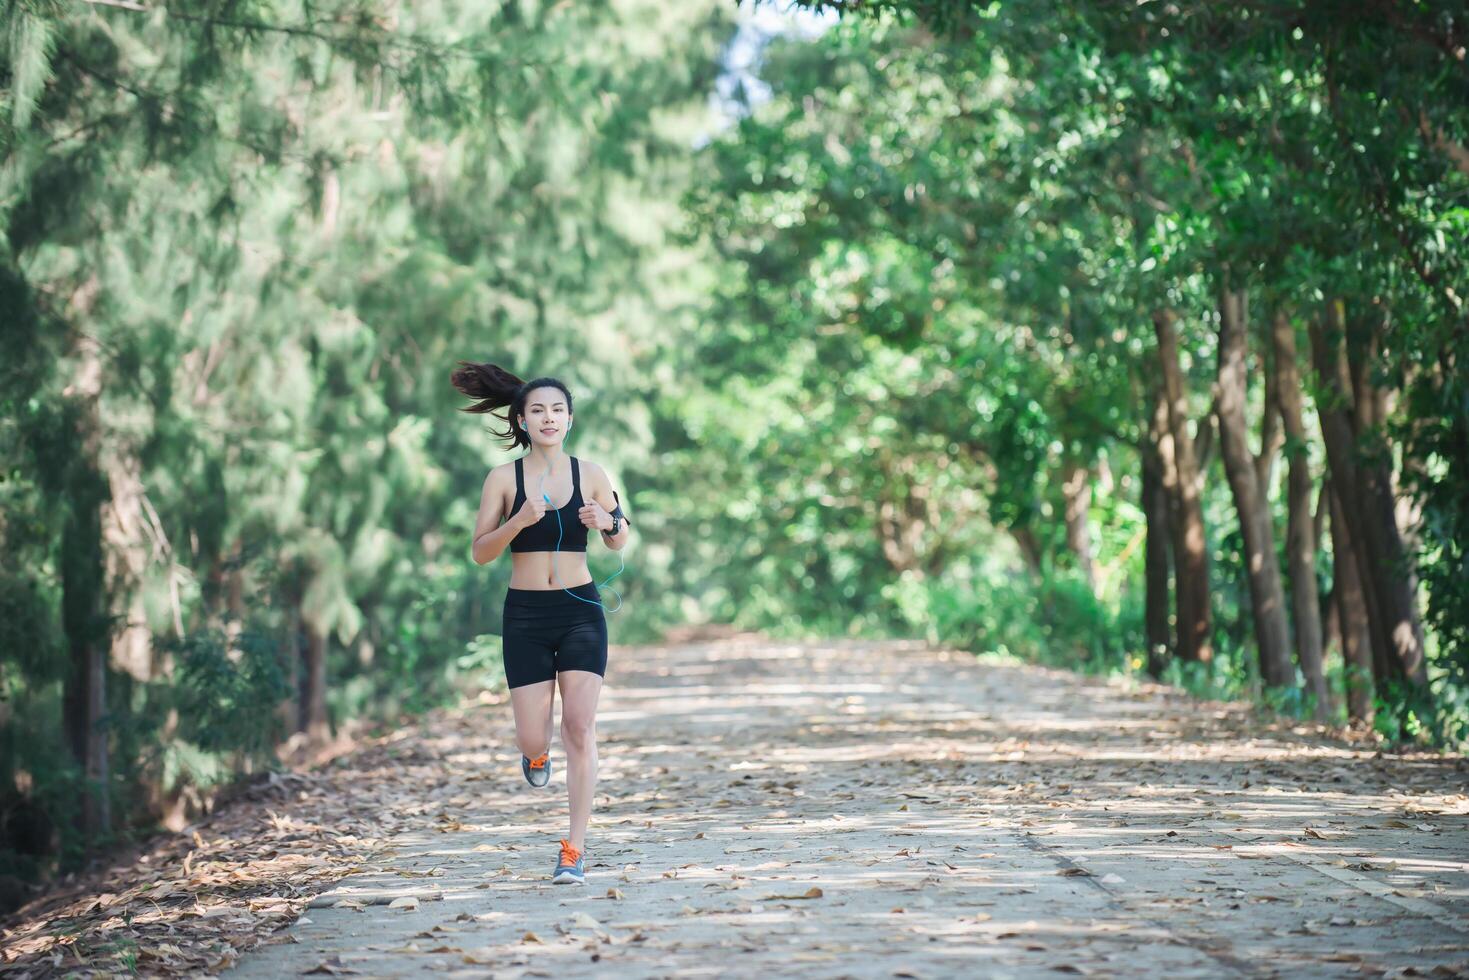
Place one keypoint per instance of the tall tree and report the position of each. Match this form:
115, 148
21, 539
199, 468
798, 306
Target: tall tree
1190, 547
1267, 597
1300, 526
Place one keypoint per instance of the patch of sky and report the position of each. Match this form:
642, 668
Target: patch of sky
739, 89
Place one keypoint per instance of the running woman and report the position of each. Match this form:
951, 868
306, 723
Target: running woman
555, 631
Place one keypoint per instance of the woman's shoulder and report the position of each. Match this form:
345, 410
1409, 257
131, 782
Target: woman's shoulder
502, 472
589, 467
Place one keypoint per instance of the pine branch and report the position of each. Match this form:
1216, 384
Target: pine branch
412, 43
142, 95
87, 127
110, 81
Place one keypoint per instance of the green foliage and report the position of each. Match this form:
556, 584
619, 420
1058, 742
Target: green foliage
26, 28
226, 691
29, 630
839, 356
481, 664
1054, 620
1303, 150
250, 241
1007, 191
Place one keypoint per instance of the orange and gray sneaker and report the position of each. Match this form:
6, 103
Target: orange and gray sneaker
538, 770
570, 869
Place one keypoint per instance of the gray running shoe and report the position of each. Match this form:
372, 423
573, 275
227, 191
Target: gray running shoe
538, 770
570, 868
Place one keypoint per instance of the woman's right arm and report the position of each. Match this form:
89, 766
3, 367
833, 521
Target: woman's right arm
490, 536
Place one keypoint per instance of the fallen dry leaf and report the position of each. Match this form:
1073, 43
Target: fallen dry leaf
200, 898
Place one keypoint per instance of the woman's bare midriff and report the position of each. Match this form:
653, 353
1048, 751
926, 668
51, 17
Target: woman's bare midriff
532, 570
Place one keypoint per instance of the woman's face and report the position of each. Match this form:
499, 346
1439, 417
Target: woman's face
546, 416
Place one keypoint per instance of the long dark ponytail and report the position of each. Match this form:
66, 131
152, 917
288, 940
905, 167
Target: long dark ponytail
496, 388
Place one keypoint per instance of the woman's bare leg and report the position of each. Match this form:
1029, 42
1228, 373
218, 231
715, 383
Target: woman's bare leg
533, 705
579, 692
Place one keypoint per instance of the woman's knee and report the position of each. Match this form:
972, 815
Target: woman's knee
532, 744
533, 736
578, 732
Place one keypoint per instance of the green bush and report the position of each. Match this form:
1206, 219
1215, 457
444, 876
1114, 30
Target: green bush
226, 698
1053, 620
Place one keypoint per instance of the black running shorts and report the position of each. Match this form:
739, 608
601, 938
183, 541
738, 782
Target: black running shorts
547, 631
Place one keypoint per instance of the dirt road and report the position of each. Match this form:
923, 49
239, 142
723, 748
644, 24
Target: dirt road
879, 810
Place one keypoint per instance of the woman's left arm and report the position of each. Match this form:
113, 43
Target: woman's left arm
597, 513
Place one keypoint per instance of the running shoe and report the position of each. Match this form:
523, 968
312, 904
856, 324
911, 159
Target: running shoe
538, 770
569, 869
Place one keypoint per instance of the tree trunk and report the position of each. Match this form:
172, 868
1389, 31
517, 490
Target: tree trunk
1267, 598
1330, 620
314, 720
1351, 612
906, 516
1300, 535
83, 598
1076, 488
1367, 511
1394, 566
1272, 432
235, 595
898, 536
1030, 548
1333, 408
1155, 510
1330, 624
1195, 625
288, 711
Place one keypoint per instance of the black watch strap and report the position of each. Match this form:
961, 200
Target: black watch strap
617, 519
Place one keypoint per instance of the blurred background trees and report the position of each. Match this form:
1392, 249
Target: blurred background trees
244, 247
1123, 339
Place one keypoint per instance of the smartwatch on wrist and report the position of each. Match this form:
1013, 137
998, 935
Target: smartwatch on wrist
617, 519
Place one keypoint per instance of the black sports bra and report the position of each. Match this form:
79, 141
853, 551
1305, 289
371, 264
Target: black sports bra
541, 536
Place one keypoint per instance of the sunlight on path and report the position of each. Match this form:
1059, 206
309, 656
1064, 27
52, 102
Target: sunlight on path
876, 810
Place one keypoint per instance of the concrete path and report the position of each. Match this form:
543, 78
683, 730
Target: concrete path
879, 810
